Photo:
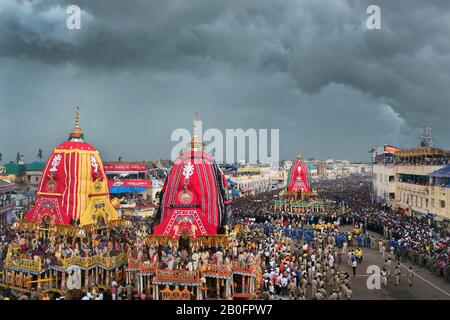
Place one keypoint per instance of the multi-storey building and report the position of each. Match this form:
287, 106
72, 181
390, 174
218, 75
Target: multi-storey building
412, 169
7, 203
26, 176
384, 175
413, 181
322, 170
278, 177
439, 192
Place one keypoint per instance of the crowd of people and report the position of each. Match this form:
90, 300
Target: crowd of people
52, 247
300, 253
438, 161
414, 238
297, 264
5, 200
303, 256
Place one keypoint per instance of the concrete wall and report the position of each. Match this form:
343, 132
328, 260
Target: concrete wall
383, 185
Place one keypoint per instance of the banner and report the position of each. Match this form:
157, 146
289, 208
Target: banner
129, 183
119, 167
390, 149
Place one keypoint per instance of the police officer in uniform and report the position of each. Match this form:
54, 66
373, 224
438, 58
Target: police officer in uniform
410, 276
398, 273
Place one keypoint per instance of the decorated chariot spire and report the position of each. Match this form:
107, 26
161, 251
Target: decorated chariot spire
299, 156
74, 186
77, 133
196, 141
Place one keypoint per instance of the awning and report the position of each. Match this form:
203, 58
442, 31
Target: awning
441, 173
127, 189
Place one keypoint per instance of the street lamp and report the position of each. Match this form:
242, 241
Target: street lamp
371, 151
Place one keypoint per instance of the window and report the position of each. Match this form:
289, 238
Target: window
391, 178
442, 203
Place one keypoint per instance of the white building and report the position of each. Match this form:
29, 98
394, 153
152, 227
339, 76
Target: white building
383, 176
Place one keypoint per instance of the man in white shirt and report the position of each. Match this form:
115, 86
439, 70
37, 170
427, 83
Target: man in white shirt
100, 296
88, 296
384, 277
349, 258
284, 284
389, 267
354, 264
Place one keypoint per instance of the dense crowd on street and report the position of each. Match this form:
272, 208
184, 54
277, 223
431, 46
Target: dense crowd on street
298, 263
414, 238
302, 255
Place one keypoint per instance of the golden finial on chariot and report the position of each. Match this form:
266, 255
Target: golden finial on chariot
77, 132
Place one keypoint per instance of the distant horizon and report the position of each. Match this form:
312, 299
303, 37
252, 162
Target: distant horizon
106, 160
124, 158
10, 156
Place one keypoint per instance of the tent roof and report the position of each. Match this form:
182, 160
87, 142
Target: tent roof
441, 173
35, 166
3, 182
14, 168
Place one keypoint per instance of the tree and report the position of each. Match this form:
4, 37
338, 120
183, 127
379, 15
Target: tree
1, 157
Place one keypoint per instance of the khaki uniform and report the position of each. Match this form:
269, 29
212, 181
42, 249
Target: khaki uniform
333, 296
397, 276
410, 277
349, 294
303, 286
313, 288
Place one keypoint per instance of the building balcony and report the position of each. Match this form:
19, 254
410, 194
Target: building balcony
417, 169
413, 188
438, 189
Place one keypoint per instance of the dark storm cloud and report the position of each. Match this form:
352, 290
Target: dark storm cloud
406, 64
247, 57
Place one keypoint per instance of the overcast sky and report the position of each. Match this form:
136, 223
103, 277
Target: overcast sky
139, 69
